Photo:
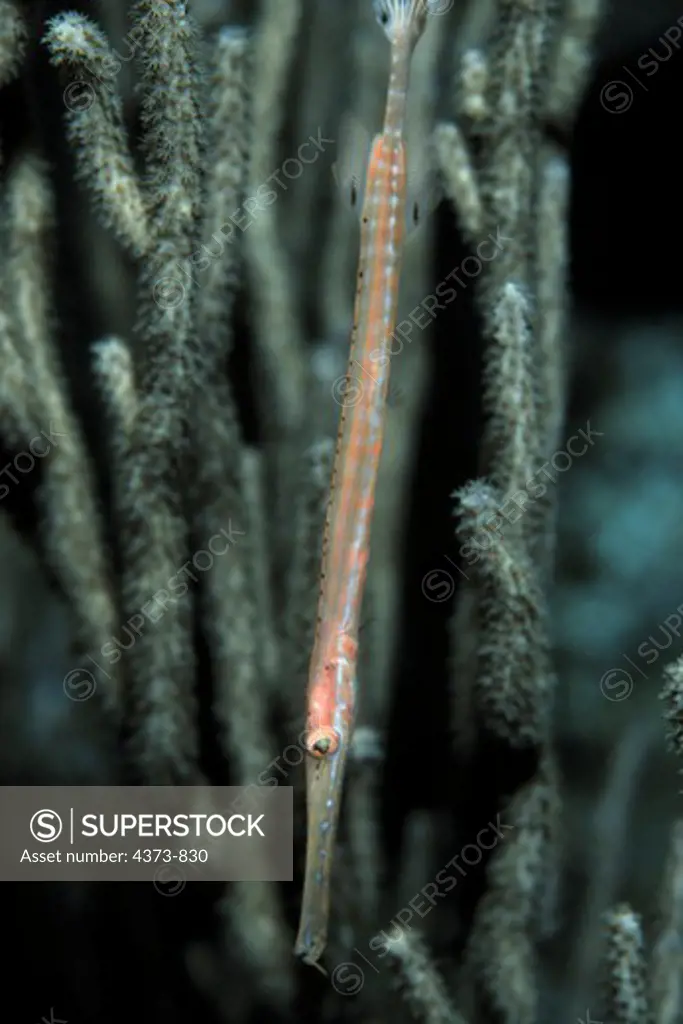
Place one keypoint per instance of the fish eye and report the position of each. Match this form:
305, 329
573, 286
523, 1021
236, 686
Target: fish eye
322, 742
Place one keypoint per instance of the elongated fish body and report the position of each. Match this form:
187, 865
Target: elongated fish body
332, 688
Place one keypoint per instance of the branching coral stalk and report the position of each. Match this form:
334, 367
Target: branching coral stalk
171, 412
423, 988
278, 333
609, 834
513, 674
73, 527
626, 999
672, 698
155, 218
497, 182
638, 991
13, 36
666, 962
96, 128
499, 972
225, 478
